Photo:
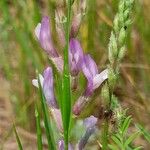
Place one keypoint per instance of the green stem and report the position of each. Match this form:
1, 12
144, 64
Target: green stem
106, 121
105, 135
66, 102
38, 129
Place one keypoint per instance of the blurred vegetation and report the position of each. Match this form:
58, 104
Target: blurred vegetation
21, 55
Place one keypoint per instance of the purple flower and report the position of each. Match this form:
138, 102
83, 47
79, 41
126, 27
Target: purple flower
95, 79
75, 56
48, 87
43, 33
61, 145
90, 71
90, 124
47, 84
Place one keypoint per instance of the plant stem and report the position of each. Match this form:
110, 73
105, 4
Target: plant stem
105, 134
66, 102
106, 121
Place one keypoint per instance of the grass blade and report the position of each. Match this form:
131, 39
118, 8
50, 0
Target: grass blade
144, 132
17, 138
131, 138
126, 124
66, 100
38, 129
48, 128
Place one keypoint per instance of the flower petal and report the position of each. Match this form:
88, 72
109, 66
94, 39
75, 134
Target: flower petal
85, 138
44, 37
35, 81
90, 122
100, 78
75, 56
37, 30
89, 89
48, 87
89, 67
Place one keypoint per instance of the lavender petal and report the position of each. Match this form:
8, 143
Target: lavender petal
89, 67
85, 138
75, 56
90, 122
35, 81
48, 87
37, 30
44, 36
100, 78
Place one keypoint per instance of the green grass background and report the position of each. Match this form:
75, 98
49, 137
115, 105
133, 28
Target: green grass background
20, 55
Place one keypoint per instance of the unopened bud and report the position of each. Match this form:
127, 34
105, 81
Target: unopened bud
83, 5
76, 22
80, 104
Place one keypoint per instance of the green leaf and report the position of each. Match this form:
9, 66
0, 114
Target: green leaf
131, 138
138, 148
144, 132
49, 131
117, 141
38, 129
125, 125
17, 138
113, 147
118, 136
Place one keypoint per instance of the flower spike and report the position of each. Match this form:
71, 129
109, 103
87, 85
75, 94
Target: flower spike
94, 79
47, 84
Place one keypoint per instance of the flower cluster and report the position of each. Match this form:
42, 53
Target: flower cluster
78, 62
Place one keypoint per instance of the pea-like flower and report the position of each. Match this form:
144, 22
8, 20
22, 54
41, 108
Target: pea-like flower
90, 125
75, 56
43, 33
94, 79
47, 84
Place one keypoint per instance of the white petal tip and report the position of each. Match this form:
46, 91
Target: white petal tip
37, 30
